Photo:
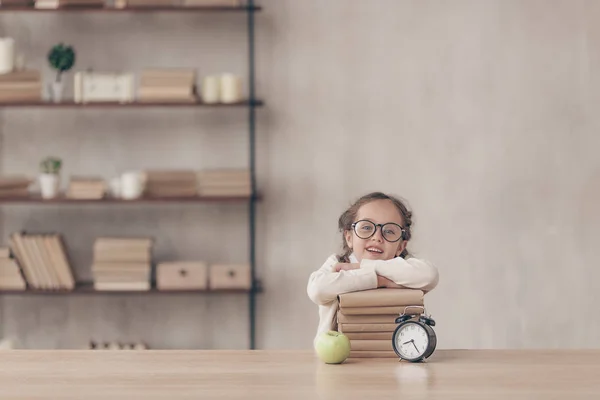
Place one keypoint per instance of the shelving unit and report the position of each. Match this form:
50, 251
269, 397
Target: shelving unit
251, 8
72, 104
37, 200
251, 103
87, 288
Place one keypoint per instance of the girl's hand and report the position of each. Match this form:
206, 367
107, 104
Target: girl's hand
346, 266
383, 282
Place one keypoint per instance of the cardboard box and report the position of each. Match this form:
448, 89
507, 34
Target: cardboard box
182, 275
229, 276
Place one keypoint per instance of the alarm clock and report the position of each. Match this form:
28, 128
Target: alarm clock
414, 340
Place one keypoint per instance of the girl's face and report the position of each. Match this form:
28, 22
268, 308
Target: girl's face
376, 247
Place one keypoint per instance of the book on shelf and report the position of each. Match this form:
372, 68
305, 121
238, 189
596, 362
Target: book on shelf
171, 183
26, 75
166, 84
16, 3
11, 277
224, 182
43, 260
21, 86
14, 186
121, 263
86, 188
50, 4
151, 3
213, 3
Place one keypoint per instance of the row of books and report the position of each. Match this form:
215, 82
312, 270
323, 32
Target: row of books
40, 261
43, 260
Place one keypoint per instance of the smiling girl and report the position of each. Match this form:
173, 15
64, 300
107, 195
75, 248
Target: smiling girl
375, 232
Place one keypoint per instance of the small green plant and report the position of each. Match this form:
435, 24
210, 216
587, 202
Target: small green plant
51, 165
61, 58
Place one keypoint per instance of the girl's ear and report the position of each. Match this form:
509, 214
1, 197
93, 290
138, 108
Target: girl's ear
401, 247
348, 236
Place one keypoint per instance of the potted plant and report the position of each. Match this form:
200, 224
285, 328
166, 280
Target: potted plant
50, 177
62, 58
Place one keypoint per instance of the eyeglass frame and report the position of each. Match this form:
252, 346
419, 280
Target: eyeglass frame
402, 235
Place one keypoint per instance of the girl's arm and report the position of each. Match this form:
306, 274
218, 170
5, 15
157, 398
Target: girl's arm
411, 273
325, 284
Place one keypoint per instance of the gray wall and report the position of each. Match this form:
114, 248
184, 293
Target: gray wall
480, 113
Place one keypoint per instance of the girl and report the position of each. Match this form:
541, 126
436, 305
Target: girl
375, 230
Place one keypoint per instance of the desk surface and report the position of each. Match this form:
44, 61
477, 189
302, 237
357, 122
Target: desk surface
286, 375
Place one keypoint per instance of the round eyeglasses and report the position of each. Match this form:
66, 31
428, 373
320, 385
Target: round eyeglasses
390, 231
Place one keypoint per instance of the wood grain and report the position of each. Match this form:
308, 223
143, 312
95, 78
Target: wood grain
450, 374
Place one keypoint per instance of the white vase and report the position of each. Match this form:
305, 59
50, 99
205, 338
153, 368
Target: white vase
56, 91
7, 55
49, 185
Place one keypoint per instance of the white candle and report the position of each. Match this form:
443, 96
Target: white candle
210, 89
231, 88
7, 55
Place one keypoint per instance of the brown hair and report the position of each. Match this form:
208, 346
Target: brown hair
347, 218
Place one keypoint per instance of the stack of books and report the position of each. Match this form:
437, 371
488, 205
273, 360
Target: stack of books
368, 318
171, 183
21, 86
212, 3
16, 3
14, 186
49, 4
86, 188
147, 3
167, 85
10, 274
43, 259
122, 263
224, 182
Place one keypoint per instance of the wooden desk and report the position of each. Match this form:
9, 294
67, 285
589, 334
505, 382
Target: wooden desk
286, 375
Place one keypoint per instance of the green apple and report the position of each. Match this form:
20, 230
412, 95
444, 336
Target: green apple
332, 347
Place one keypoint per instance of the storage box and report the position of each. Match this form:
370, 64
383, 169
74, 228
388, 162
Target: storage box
229, 276
182, 275
92, 87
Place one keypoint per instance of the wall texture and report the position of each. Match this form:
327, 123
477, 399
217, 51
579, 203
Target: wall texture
480, 113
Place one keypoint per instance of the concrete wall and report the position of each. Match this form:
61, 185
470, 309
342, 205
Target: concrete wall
480, 113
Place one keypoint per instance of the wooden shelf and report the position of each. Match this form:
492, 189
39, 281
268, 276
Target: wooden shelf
110, 200
131, 9
135, 104
87, 288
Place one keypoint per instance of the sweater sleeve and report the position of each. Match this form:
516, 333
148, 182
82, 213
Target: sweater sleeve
324, 285
411, 273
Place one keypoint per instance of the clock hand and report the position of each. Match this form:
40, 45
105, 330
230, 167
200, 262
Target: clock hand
413, 342
410, 341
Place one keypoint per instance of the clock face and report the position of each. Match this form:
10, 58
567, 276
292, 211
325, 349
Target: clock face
411, 341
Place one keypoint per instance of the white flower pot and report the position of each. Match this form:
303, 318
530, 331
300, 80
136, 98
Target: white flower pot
56, 91
49, 185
